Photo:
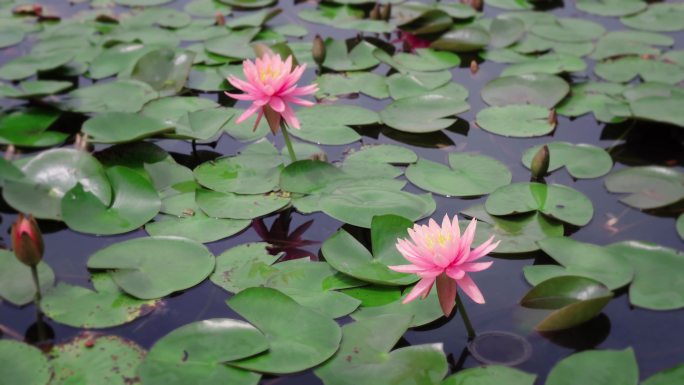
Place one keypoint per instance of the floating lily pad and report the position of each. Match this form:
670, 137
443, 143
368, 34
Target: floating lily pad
198, 352
659, 109
624, 69
134, 203
581, 160
29, 128
34, 89
119, 127
350, 257
49, 176
569, 30
517, 233
658, 17
533, 44
519, 121
422, 311
372, 295
243, 266
469, 174
574, 300
155, 267
337, 58
344, 16
90, 358
28, 65
423, 60
330, 124
364, 356
550, 63
16, 283
505, 31
621, 43
667, 376
599, 367
611, 7
234, 206
468, 38
198, 227
302, 340
383, 153
232, 175
121, 96
586, 260
604, 100
491, 375
537, 89
656, 268
23, 364
84, 308
332, 85
11, 36
511, 4
165, 70
554, 200
648, 187
404, 85
358, 205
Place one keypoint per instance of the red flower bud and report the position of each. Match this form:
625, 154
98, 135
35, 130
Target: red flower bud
27, 241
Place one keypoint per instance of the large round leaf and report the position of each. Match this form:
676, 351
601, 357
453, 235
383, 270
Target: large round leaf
49, 175
198, 227
596, 367
520, 121
423, 113
659, 109
490, 375
134, 203
468, 38
422, 311
154, 267
330, 124
349, 256
121, 96
16, 282
300, 341
556, 201
581, 160
469, 174
23, 364
196, 353
233, 175
538, 89
89, 359
234, 206
648, 186
568, 30
119, 127
665, 17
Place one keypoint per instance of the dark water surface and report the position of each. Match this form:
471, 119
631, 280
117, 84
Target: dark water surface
656, 337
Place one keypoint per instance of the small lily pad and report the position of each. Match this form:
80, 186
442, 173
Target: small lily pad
582, 161
16, 283
519, 121
330, 124
648, 187
490, 375
538, 89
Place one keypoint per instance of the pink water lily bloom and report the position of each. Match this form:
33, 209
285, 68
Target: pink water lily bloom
271, 86
443, 255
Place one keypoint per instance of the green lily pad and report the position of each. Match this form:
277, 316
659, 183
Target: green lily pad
373, 295
490, 375
533, 44
206, 8
569, 30
23, 364
34, 89
622, 43
141, 3
505, 31
253, 19
26, 66
511, 4
29, 128
604, 100
599, 367
587, 260
117, 59
198, 227
409, 83
231, 175
337, 58
468, 38
344, 16
119, 96
383, 153
16, 283
422, 311
154, 267
11, 36
427, 112
89, 358
358, 205
659, 109
658, 17
165, 70
84, 308
120, 127
134, 202
469, 174
680, 226
554, 200
332, 85
624, 69
49, 176
247, 4
550, 63
518, 121
365, 356
198, 352
235, 45
428, 22
656, 268
244, 266
537, 89
235, 206
667, 376
423, 60
574, 300
300, 341
611, 7
517, 233
583, 161
330, 124
349, 256
648, 187
309, 176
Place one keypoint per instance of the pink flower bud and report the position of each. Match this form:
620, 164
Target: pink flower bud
27, 241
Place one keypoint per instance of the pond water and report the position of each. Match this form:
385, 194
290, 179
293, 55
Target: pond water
654, 335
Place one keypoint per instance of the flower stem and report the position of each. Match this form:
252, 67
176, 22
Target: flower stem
288, 143
464, 316
36, 282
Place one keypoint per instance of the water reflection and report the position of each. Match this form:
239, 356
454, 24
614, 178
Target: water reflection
585, 336
282, 240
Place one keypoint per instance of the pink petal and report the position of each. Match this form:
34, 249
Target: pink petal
242, 85
290, 117
455, 272
473, 267
277, 104
482, 250
470, 288
299, 101
241, 96
466, 241
446, 291
248, 112
422, 288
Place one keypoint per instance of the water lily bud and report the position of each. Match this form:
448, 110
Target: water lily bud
475, 4
27, 241
474, 67
375, 12
219, 18
540, 163
386, 12
318, 50
553, 118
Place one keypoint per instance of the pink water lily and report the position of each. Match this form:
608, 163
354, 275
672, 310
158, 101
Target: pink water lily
443, 255
271, 86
